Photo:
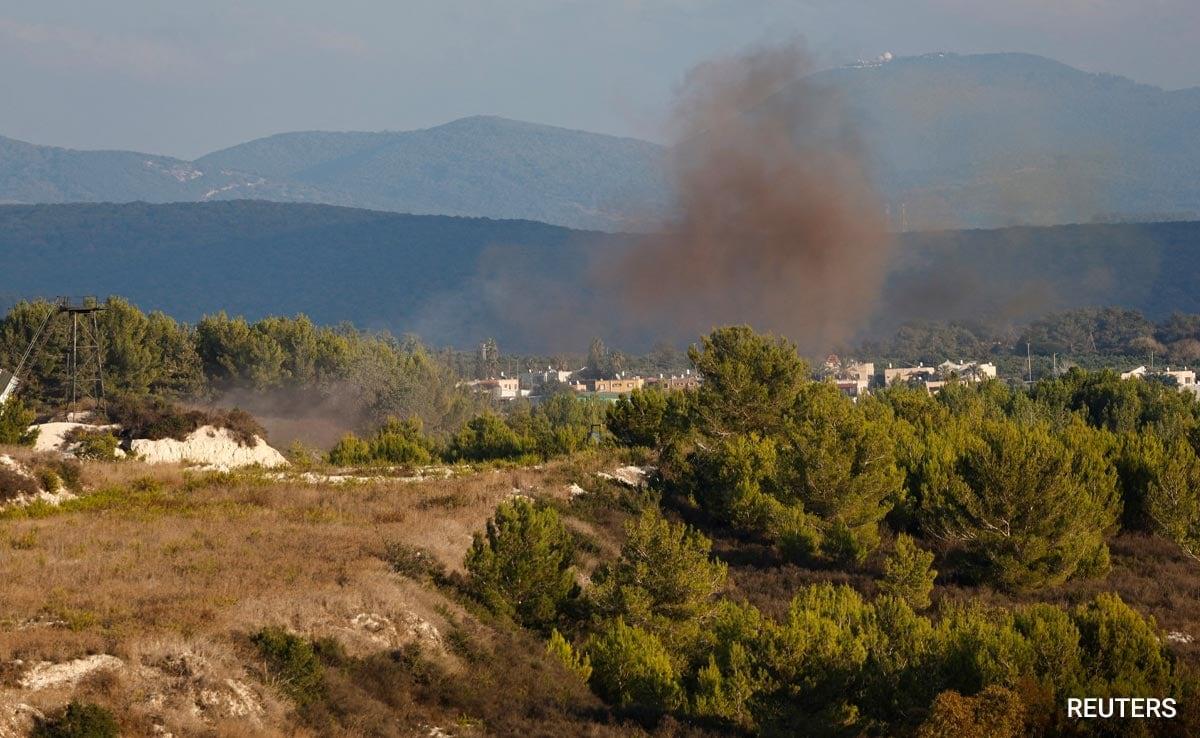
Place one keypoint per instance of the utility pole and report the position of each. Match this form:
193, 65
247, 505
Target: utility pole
1029, 361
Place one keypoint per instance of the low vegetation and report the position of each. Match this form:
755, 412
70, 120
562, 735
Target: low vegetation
795, 563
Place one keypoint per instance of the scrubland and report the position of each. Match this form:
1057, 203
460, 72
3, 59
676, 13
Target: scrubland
171, 571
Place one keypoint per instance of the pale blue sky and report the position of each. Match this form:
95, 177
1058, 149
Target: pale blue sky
184, 78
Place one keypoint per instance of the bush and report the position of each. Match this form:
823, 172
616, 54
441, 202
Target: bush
487, 437
993, 713
350, 451
155, 418
1172, 496
15, 420
907, 573
397, 442
521, 567
413, 562
663, 577
1027, 509
292, 662
638, 419
632, 668
560, 649
95, 445
14, 483
78, 720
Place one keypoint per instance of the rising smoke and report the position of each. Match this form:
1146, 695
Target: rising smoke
775, 222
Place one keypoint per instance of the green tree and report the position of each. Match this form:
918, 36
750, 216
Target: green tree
1026, 509
15, 420
841, 467
1172, 496
234, 353
639, 419
632, 668
664, 577
908, 574
995, 712
750, 382
1123, 655
487, 437
521, 567
560, 649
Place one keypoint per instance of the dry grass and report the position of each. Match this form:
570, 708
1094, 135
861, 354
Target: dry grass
159, 566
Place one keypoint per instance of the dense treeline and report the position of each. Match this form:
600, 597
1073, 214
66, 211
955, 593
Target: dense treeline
1018, 490
374, 376
1088, 336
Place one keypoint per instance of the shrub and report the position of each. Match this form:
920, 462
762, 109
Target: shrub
95, 445
13, 483
402, 443
1172, 496
632, 668
907, 573
560, 649
413, 562
521, 567
638, 419
350, 451
78, 720
292, 662
1027, 509
663, 577
995, 712
240, 424
397, 442
1122, 652
487, 437
15, 420
155, 418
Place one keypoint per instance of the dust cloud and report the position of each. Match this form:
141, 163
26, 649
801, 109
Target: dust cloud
775, 221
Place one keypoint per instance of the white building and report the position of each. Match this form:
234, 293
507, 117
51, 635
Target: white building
534, 379
1182, 378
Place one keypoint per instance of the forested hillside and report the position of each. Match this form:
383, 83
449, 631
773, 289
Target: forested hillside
457, 281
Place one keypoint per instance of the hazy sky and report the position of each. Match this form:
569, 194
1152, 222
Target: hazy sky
184, 78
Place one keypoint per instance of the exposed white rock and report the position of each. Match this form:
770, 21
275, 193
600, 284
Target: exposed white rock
630, 476
576, 491
214, 447
53, 436
47, 675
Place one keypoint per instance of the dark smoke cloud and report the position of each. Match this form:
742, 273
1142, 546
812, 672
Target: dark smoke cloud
776, 223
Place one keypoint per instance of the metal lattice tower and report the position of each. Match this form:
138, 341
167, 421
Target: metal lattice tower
83, 362
85, 359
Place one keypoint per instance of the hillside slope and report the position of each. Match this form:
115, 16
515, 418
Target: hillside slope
955, 141
996, 139
460, 280
482, 166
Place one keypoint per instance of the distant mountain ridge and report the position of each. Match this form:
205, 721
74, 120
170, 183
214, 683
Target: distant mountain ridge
480, 167
997, 139
954, 141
